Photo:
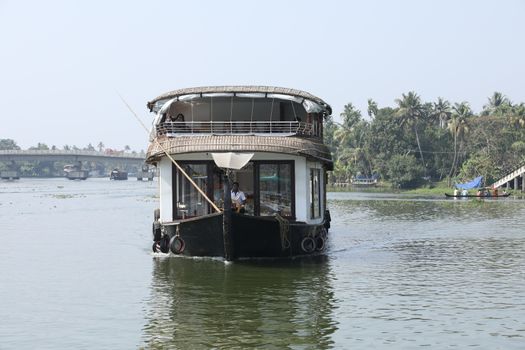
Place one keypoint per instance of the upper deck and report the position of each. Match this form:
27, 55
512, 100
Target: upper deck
235, 110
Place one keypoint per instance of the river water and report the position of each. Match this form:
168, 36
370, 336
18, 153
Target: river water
400, 272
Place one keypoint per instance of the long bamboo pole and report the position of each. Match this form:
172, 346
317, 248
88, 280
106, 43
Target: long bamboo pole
171, 158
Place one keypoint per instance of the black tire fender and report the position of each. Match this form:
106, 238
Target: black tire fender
157, 233
155, 248
308, 244
165, 244
320, 243
177, 245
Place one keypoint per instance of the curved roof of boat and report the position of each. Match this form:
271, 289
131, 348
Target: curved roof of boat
244, 90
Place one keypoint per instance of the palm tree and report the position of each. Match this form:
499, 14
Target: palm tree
458, 126
497, 102
100, 146
344, 132
517, 117
372, 108
442, 111
350, 115
410, 112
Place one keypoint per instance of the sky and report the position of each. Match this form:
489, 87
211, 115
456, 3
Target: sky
63, 64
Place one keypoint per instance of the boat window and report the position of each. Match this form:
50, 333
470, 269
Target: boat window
201, 110
315, 193
188, 201
275, 189
244, 177
225, 109
218, 187
292, 111
178, 108
268, 187
221, 109
265, 110
242, 109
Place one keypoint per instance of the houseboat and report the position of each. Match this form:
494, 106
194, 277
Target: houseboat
242, 172
117, 174
145, 174
364, 181
9, 175
75, 172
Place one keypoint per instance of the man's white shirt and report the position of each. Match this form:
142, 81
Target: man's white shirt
238, 197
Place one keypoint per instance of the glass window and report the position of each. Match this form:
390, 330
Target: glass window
315, 193
245, 179
201, 110
188, 201
218, 187
242, 109
292, 111
221, 109
275, 189
178, 108
268, 187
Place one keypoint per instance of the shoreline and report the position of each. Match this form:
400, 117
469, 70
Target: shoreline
437, 191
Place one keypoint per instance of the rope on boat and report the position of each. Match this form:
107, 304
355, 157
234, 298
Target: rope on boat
284, 230
171, 158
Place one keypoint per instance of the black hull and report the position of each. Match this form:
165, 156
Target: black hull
475, 196
120, 176
9, 175
253, 237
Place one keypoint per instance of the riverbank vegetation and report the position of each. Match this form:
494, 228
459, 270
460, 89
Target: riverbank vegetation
416, 143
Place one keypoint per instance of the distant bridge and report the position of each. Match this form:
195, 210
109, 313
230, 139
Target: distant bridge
101, 161
69, 156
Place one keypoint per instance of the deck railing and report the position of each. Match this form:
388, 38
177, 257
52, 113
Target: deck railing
238, 127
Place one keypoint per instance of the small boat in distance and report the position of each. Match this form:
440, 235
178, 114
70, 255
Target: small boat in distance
476, 195
363, 181
117, 174
75, 172
482, 192
145, 173
9, 175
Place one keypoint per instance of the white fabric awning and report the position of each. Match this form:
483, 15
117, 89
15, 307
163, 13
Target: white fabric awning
231, 160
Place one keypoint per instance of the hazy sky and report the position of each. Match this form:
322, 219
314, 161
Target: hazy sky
62, 62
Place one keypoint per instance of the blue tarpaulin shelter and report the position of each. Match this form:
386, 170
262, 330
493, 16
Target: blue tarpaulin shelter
472, 184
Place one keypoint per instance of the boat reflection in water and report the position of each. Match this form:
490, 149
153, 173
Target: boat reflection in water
204, 303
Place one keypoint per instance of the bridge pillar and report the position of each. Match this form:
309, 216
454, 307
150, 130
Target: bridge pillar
523, 182
516, 183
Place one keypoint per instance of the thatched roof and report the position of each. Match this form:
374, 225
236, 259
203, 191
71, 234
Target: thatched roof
242, 89
240, 143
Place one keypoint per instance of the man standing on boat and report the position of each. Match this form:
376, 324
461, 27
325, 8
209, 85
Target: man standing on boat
238, 198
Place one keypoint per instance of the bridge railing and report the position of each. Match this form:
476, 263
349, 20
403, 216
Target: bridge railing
518, 172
